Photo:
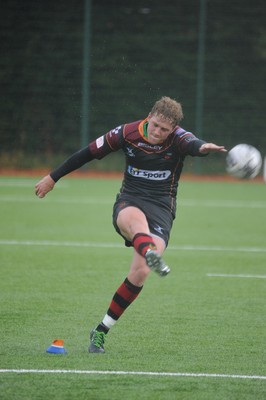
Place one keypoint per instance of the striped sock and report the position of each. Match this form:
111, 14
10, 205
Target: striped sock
143, 242
123, 297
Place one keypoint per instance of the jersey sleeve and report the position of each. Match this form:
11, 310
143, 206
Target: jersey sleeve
111, 141
188, 143
97, 149
74, 162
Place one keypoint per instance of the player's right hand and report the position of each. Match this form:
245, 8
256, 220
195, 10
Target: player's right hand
44, 186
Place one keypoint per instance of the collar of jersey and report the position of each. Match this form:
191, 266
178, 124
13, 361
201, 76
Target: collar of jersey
143, 128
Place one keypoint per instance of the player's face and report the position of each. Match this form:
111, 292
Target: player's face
158, 129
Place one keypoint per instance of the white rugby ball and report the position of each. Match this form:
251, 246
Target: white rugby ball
243, 161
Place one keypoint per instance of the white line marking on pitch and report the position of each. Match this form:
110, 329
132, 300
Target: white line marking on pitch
220, 248
237, 276
49, 200
93, 200
222, 203
143, 373
117, 245
62, 244
25, 183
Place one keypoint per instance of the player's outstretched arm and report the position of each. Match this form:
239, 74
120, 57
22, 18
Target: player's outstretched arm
44, 186
211, 147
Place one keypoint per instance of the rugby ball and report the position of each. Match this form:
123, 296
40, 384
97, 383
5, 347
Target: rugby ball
243, 161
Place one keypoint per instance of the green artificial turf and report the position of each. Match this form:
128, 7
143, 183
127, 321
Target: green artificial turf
61, 262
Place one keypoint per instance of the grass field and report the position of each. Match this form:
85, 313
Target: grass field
199, 333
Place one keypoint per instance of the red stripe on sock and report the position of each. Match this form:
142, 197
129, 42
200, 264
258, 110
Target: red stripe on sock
116, 309
127, 295
143, 242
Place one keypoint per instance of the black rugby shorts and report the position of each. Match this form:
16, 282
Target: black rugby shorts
159, 217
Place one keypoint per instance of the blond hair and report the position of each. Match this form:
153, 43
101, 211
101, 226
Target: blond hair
168, 109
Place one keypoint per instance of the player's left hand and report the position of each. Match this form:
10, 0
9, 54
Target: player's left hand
211, 147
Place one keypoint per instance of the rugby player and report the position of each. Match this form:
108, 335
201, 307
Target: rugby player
155, 149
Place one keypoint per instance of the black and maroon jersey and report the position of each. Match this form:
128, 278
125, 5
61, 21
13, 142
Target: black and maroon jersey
151, 170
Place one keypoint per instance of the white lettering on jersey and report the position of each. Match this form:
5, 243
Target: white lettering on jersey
146, 174
115, 131
99, 142
150, 146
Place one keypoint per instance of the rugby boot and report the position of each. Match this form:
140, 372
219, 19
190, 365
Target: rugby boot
156, 263
97, 340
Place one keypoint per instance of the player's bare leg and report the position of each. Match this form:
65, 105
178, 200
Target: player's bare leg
139, 270
134, 227
123, 297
